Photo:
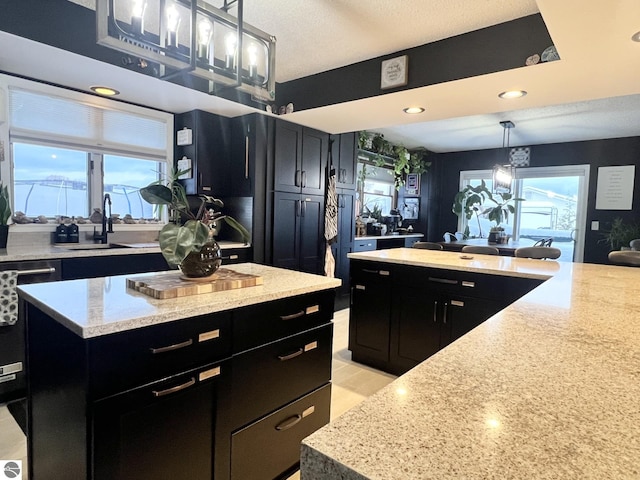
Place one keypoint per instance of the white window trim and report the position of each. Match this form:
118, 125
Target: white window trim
6, 160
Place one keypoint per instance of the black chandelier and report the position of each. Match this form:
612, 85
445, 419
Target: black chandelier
192, 36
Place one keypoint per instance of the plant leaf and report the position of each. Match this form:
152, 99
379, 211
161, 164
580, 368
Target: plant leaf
156, 194
232, 222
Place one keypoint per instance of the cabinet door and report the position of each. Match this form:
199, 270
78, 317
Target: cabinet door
208, 151
315, 146
463, 314
161, 430
346, 161
312, 242
287, 161
346, 217
416, 326
286, 219
370, 312
249, 141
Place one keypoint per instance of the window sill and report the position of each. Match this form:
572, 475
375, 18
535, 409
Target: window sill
88, 227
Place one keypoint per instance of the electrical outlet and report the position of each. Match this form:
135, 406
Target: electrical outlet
595, 225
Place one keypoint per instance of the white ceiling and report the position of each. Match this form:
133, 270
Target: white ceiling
593, 92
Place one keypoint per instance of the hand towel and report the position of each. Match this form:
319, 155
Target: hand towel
8, 297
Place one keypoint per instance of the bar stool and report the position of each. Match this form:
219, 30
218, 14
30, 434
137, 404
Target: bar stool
428, 245
630, 258
538, 252
485, 250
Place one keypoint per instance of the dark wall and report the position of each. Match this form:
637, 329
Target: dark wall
492, 49
444, 178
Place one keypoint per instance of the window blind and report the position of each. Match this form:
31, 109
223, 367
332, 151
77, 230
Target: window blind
38, 116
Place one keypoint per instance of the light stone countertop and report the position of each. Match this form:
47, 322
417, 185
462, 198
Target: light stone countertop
100, 306
17, 253
548, 388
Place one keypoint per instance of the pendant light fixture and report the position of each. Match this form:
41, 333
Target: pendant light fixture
192, 36
503, 172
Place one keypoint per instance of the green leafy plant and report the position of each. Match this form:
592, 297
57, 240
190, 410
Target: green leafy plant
176, 239
5, 205
620, 233
398, 159
471, 201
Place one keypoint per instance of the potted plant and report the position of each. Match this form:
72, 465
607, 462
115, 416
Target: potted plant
620, 234
5, 214
471, 201
182, 242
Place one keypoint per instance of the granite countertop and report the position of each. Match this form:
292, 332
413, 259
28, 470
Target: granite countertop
100, 306
547, 388
74, 250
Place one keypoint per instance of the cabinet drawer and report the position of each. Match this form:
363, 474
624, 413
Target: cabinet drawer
280, 372
161, 430
364, 245
131, 358
370, 271
269, 447
231, 256
264, 323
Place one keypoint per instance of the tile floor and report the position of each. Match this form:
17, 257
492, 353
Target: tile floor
352, 383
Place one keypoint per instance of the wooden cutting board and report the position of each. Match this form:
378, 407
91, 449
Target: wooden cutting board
174, 285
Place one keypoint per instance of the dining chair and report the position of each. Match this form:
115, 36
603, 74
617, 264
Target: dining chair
428, 245
485, 250
543, 242
635, 244
538, 252
629, 258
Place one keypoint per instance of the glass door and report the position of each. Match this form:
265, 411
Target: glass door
554, 207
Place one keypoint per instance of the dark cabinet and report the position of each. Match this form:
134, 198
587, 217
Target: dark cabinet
165, 429
344, 160
300, 155
344, 243
298, 232
370, 312
103, 266
208, 152
401, 315
224, 395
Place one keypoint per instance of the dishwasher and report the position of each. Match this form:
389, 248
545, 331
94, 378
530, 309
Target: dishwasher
12, 337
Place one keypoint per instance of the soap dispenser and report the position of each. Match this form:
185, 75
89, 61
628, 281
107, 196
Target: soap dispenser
73, 233
61, 233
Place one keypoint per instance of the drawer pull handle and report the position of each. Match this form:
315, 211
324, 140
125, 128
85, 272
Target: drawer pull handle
292, 316
289, 422
177, 388
289, 356
443, 280
457, 303
37, 271
170, 348
468, 284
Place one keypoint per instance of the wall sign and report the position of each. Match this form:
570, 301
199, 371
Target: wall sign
412, 187
615, 188
184, 137
395, 72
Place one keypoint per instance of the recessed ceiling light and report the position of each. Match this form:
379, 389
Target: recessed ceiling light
512, 94
413, 110
106, 91
636, 37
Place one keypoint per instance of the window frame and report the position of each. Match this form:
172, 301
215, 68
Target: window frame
96, 151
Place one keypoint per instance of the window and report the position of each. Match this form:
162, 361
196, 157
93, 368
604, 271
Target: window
68, 149
376, 191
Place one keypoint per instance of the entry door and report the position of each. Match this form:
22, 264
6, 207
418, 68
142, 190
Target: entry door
554, 207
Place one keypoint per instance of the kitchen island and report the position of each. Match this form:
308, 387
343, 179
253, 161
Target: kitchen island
546, 388
221, 385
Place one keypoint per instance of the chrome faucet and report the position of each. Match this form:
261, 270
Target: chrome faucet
107, 221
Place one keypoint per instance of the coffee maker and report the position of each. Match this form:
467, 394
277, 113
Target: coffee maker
393, 222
